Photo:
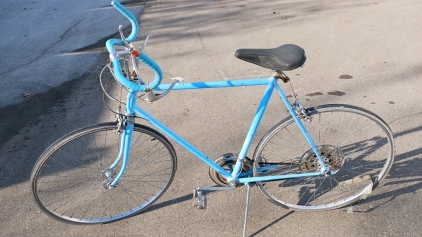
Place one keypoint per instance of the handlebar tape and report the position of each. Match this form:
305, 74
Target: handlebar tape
154, 67
129, 16
143, 58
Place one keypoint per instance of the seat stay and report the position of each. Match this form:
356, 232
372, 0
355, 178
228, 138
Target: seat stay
302, 128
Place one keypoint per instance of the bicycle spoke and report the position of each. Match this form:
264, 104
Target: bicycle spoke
356, 144
69, 183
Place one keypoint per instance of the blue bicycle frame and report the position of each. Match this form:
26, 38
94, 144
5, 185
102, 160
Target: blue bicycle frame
236, 175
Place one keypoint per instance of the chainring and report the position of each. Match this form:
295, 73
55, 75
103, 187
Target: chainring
228, 161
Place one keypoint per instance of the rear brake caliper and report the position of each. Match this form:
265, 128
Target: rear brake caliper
300, 110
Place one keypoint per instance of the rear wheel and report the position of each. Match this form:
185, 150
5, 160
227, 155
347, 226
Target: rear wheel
355, 143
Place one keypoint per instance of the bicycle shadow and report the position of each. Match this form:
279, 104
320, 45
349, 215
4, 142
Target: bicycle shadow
272, 223
403, 178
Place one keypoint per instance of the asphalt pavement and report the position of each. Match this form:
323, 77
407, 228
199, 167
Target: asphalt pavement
365, 53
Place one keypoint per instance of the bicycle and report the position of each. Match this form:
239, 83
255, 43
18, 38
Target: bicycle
319, 158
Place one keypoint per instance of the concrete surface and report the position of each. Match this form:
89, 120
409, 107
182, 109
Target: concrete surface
47, 43
376, 43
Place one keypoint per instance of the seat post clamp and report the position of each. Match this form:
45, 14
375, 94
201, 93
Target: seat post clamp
280, 75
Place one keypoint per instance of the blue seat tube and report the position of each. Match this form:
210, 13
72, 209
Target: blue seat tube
254, 127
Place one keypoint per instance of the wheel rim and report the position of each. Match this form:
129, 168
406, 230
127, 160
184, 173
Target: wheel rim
361, 160
75, 190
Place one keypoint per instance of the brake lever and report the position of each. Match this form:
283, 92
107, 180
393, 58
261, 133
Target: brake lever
135, 52
151, 96
127, 44
130, 45
145, 43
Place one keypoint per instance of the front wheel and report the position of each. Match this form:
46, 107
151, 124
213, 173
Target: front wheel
356, 144
69, 180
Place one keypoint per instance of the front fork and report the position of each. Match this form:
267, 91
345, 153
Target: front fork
125, 129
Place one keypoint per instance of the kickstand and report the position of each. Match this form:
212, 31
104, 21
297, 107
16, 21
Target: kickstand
247, 207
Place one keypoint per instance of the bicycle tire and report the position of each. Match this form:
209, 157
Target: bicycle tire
354, 142
67, 181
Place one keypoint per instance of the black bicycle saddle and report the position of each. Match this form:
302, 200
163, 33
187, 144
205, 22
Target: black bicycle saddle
284, 58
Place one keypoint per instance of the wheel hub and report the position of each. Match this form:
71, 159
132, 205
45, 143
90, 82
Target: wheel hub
108, 176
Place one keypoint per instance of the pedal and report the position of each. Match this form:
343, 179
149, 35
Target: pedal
198, 199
